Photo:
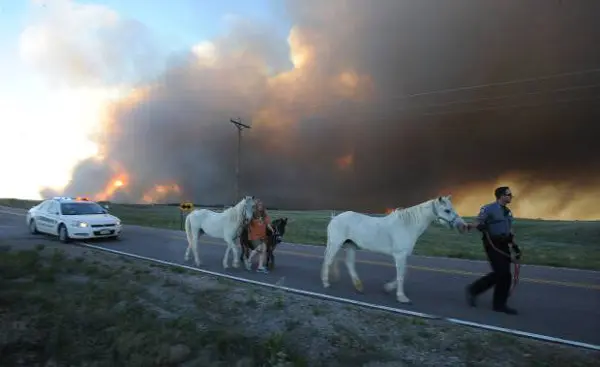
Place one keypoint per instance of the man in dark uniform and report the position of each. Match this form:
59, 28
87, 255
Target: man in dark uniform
495, 223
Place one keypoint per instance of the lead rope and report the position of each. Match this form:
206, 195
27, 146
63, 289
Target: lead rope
516, 263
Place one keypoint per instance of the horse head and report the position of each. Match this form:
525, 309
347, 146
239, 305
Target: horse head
279, 227
249, 203
445, 214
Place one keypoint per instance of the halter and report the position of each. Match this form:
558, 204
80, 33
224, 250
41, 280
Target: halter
276, 235
450, 222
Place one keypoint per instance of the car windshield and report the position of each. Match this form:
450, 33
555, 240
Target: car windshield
81, 208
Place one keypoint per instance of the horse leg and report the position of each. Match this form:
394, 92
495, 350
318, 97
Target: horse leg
270, 259
350, 264
329, 258
236, 255
188, 250
194, 246
243, 252
248, 262
226, 254
189, 237
400, 259
390, 286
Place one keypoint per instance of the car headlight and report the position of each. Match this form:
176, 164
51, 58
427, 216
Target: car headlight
118, 223
80, 224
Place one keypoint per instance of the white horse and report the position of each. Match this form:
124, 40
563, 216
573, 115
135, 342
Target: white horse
226, 225
394, 234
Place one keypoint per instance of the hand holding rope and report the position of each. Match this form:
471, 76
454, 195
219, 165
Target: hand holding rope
514, 256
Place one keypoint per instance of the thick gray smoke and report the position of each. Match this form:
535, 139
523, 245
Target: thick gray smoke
359, 65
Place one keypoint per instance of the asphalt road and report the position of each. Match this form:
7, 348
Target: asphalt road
561, 303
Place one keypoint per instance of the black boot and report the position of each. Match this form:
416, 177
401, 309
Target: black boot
506, 310
470, 297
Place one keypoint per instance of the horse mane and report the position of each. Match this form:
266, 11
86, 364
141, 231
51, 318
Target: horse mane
414, 213
233, 213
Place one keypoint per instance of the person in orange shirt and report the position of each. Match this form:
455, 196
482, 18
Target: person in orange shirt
257, 233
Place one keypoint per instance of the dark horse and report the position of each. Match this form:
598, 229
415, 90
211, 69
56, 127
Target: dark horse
271, 241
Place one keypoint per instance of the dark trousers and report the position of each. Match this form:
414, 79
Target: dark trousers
500, 276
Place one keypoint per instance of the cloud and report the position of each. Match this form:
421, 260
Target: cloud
352, 124
87, 45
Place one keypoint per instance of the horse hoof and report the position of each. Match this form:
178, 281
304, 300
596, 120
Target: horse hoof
358, 285
225, 266
236, 265
404, 300
326, 285
389, 288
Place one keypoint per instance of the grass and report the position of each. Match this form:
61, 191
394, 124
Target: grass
572, 244
70, 311
72, 306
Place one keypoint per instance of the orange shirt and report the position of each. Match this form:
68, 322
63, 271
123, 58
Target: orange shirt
258, 228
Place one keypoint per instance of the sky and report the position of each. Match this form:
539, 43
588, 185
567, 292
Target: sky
354, 104
49, 123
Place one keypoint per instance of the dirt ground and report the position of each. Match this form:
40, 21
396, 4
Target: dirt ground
67, 305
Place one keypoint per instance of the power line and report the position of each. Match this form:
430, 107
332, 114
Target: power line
510, 95
516, 81
457, 89
437, 105
511, 106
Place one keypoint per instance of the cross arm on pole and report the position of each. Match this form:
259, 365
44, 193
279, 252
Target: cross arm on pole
239, 124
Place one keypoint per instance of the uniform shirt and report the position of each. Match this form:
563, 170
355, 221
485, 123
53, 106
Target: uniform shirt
496, 218
258, 228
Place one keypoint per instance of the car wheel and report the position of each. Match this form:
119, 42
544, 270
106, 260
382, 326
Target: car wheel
33, 227
63, 235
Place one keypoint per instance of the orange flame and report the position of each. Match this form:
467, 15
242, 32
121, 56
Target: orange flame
115, 184
345, 162
160, 192
547, 201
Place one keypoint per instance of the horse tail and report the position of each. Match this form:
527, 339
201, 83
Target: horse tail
188, 230
332, 250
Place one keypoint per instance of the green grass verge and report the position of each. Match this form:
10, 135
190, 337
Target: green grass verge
63, 311
572, 244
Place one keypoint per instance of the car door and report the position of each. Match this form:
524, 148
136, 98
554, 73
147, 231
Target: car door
52, 217
39, 215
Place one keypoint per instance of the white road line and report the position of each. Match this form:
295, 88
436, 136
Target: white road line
357, 303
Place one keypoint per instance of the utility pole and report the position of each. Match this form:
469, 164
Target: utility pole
240, 126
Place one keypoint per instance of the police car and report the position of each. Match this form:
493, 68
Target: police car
72, 218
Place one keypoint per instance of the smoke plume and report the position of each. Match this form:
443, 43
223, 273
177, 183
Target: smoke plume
366, 106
